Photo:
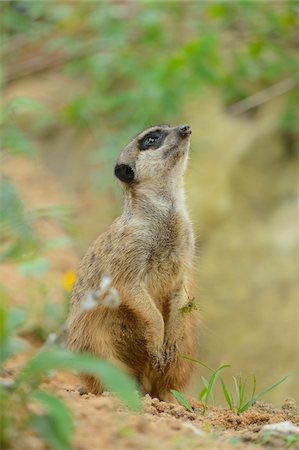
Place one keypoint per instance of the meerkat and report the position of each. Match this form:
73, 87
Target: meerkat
148, 254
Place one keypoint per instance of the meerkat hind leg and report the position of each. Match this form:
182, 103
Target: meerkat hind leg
176, 377
91, 385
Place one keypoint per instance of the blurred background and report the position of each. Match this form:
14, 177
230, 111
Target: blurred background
79, 80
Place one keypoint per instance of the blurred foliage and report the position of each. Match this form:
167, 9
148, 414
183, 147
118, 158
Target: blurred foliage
51, 419
139, 61
18, 238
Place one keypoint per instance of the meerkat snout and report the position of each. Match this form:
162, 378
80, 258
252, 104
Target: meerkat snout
185, 130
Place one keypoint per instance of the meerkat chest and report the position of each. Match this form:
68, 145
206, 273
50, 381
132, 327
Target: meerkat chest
169, 249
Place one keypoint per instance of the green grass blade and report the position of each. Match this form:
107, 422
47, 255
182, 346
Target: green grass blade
198, 362
263, 392
212, 382
253, 386
242, 389
236, 383
56, 426
206, 384
181, 399
55, 358
228, 396
203, 394
205, 381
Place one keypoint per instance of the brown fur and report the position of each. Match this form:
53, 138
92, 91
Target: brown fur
148, 253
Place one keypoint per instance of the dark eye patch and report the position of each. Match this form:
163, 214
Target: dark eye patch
152, 140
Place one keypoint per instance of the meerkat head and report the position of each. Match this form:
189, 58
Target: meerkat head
154, 155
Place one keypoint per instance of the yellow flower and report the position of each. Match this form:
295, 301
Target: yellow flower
68, 280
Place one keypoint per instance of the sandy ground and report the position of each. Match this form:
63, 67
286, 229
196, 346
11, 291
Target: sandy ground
102, 422
165, 425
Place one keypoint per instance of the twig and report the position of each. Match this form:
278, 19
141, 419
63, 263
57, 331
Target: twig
42, 62
263, 96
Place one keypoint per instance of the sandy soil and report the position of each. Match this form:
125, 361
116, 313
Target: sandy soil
102, 422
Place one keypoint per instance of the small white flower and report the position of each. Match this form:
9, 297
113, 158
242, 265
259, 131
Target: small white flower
105, 282
106, 294
90, 302
7, 384
52, 373
51, 339
104, 286
112, 300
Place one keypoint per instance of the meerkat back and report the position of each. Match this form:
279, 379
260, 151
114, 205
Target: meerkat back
131, 303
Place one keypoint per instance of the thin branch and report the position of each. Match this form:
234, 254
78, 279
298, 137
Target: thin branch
44, 61
263, 96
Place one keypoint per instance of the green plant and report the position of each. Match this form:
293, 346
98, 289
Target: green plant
207, 391
181, 399
292, 441
243, 399
289, 441
51, 419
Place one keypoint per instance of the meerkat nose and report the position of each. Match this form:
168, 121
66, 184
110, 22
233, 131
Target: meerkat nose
184, 130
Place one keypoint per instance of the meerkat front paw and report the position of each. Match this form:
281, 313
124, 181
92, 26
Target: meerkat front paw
155, 346
158, 360
170, 352
156, 353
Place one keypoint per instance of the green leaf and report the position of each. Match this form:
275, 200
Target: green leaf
10, 320
206, 384
14, 223
253, 386
56, 427
112, 378
237, 387
21, 104
34, 268
263, 392
15, 318
17, 142
203, 394
227, 395
5, 419
242, 389
181, 399
212, 382
198, 362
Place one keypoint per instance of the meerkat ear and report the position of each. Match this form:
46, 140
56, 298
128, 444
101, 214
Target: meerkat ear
124, 173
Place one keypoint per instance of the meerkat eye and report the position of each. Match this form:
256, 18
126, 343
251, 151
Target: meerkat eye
152, 140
